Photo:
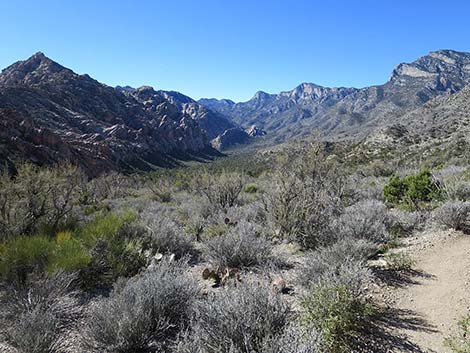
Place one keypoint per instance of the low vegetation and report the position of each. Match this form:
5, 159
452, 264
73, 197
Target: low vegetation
413, 190
240, 319
126, 263
145, 311
338, 314
460, 342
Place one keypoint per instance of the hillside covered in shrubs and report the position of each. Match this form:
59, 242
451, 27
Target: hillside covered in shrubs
273, 253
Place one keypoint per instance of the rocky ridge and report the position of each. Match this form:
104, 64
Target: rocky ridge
50, 114
351, 112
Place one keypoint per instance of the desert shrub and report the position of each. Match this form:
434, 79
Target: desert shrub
367, 219
373, 191
411, 190
454, 214
343, 263
161, 188
337, 313
68, 254
460, 342
295, 339
403, 223
458, 191
108, 247
395, 190
239, 319
306, 196
215, 230
253, 212
251, 188
193, 213
399, 261
167, 237
37, 318
37, 197
107, 186
222, 189
106, 225
115, 244
147, 310
22, 255
241, 247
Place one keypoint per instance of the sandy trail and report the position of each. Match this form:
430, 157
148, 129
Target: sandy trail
438, 293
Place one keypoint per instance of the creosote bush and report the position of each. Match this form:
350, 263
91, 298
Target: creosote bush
161, 188
38, 199
307, 195
221, 190
38, 317
144, 313
241, 247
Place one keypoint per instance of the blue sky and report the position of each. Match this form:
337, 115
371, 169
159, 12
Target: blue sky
231, 49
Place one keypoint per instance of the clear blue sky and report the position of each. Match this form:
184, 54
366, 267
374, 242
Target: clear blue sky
231, 49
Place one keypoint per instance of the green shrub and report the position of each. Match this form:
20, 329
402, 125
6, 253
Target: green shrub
68, 255
251, 188
460, 342
337, 313
23, 255
106, 247
115, 244
399, 261
395, 190
413, 190
105, 226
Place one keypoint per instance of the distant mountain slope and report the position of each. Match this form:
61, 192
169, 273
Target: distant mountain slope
351, 112
48, 114
211, 122
441, 122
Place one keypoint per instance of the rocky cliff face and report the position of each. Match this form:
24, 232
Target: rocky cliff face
49, 114
213, 123
351, 112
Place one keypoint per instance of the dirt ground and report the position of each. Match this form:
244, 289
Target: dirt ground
428, 301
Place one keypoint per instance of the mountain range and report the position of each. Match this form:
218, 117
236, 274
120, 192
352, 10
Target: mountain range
49, 114
350, 112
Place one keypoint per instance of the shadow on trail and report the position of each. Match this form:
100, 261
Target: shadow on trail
400, 279
380, 333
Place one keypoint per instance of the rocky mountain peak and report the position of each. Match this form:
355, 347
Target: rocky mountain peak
438, 65
36, 69
261, 95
